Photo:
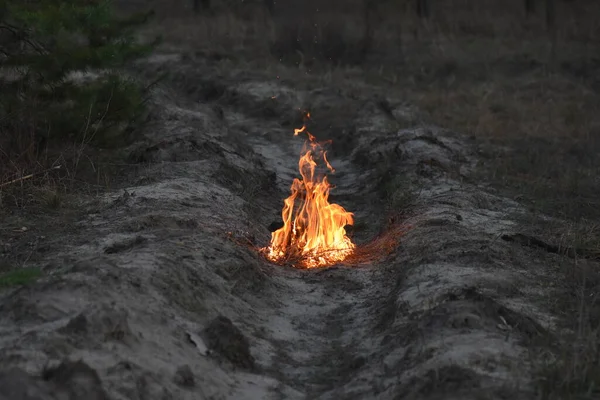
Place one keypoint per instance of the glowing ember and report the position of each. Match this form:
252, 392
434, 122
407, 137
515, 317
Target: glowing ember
313, 234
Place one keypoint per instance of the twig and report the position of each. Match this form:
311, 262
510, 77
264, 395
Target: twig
21, 34
27, 177
98, 123
154, 82
571, 252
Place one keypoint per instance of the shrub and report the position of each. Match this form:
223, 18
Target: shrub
60, 74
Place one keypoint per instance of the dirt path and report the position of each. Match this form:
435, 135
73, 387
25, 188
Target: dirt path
158, 303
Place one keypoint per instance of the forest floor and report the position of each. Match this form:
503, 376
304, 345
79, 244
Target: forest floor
146, 290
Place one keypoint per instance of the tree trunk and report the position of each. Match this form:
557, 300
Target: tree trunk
551, 27
423, 9
270, 4
368, 7
201, 5
529, 8
551, 14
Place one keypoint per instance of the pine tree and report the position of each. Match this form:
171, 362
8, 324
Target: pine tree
43, 45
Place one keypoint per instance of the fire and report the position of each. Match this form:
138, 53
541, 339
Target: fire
314, 231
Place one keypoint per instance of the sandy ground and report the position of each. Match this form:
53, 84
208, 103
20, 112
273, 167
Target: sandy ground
148, 296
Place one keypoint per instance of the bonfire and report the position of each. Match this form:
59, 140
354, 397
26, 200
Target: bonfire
313, 232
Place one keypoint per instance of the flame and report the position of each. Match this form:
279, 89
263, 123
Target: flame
314, 231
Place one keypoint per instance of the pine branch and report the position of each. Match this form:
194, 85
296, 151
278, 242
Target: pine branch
47, 33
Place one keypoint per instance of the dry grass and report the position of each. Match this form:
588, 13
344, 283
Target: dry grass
573, 372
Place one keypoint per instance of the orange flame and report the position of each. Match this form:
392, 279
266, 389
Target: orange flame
314, 231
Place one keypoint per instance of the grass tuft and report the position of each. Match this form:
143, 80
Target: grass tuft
20, 276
